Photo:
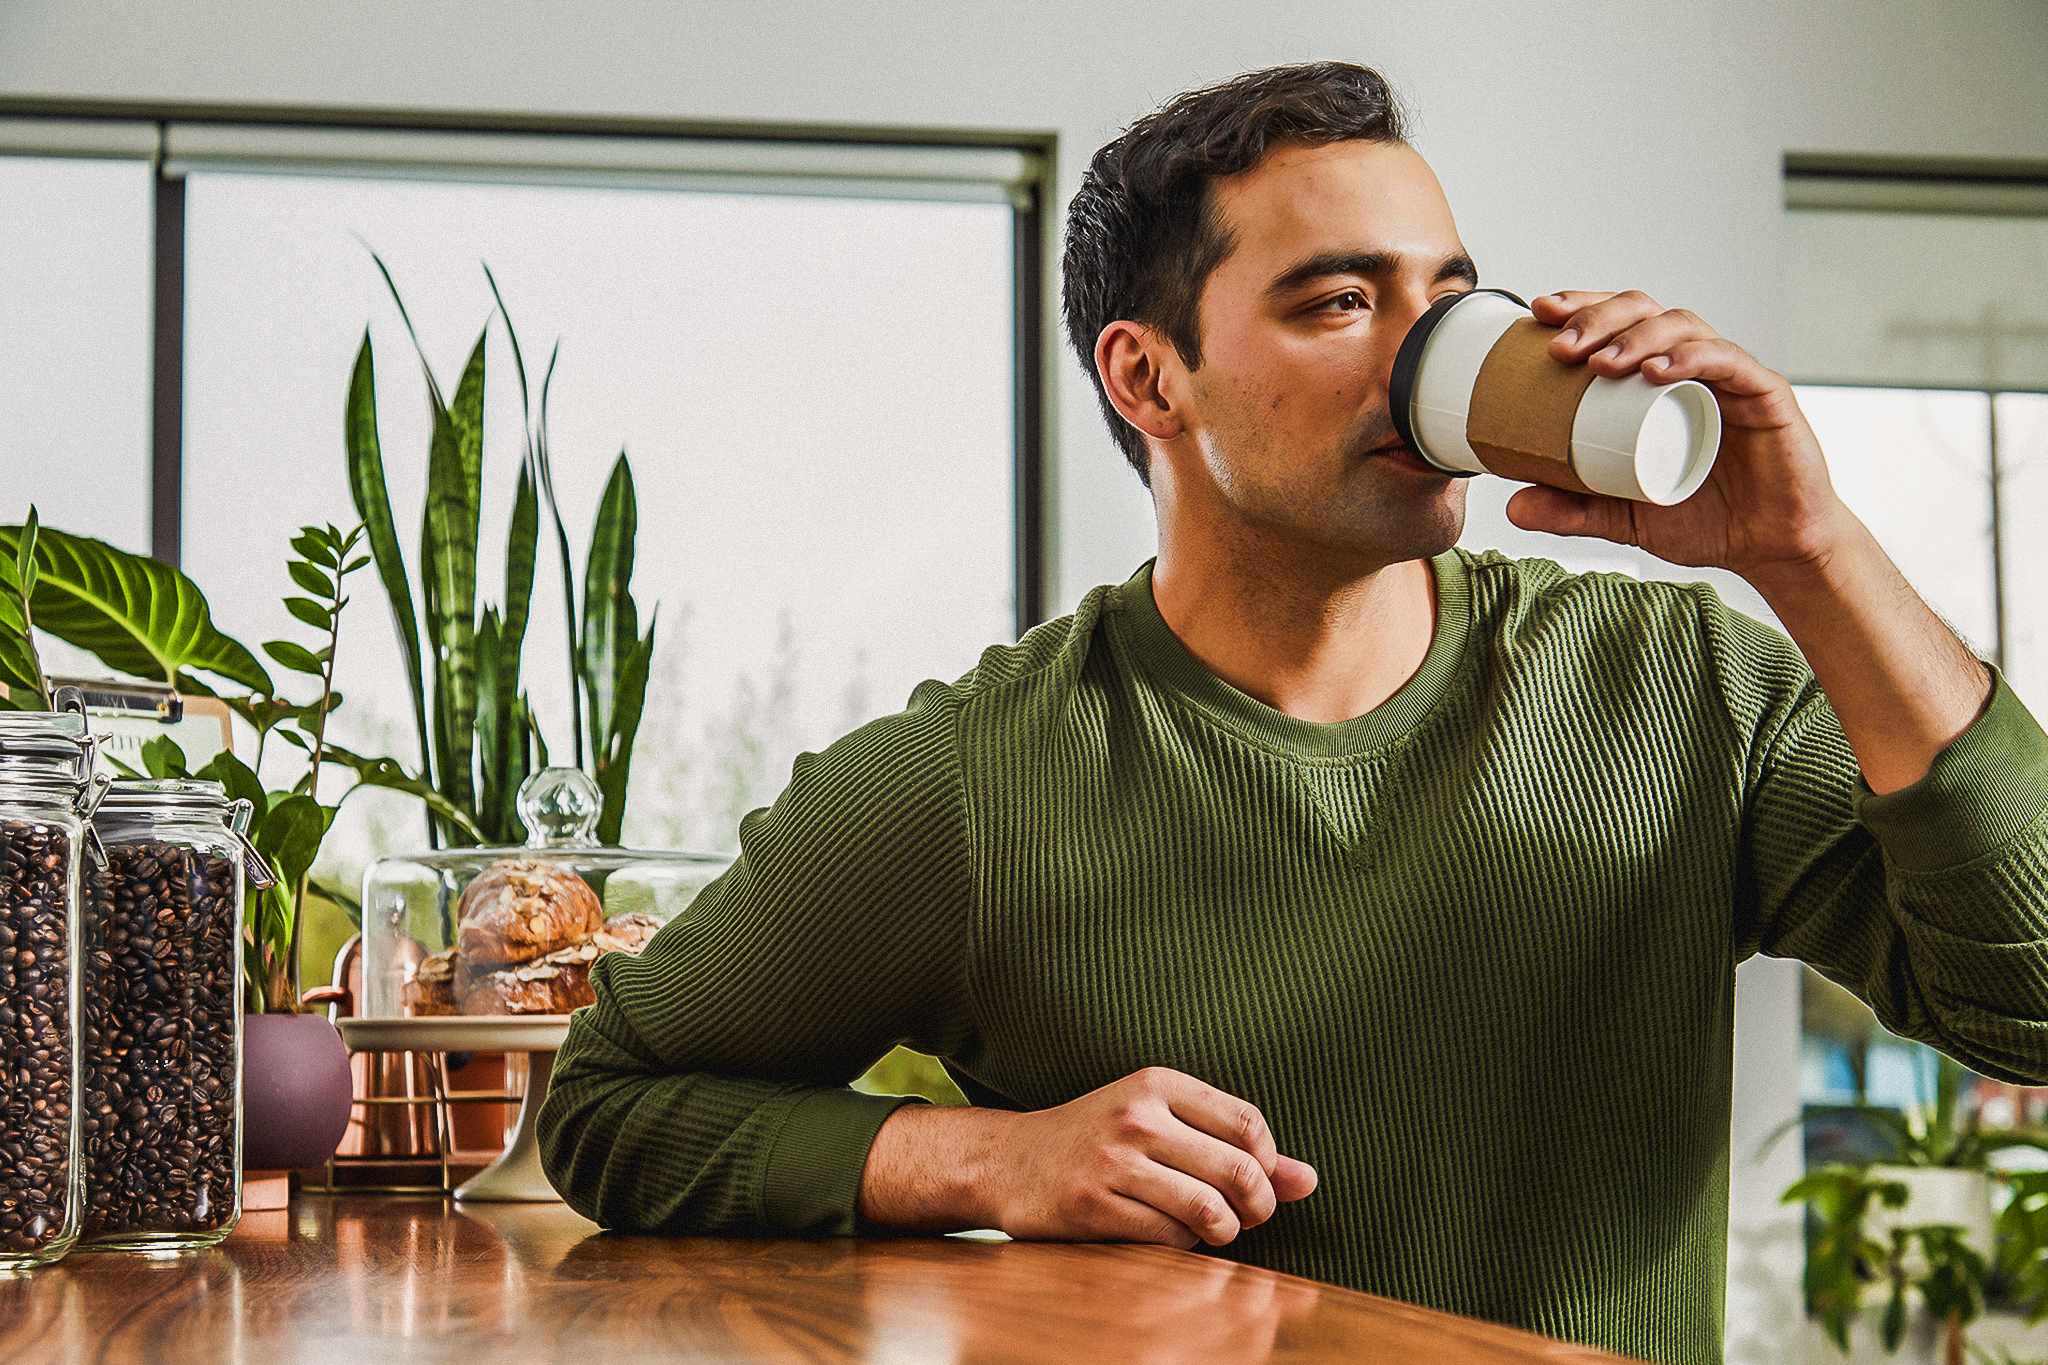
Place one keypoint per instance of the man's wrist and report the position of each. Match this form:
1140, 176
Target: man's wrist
933, 1168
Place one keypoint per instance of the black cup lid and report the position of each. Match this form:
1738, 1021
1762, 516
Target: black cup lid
1408, 362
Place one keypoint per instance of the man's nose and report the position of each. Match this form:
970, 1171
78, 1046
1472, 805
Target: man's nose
1399, 308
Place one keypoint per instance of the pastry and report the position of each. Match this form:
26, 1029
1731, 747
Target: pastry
538, 988
519, 909
431, 991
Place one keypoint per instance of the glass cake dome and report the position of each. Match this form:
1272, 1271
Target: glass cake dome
497, 932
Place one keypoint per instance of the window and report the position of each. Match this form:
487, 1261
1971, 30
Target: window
1916, 317
820, 359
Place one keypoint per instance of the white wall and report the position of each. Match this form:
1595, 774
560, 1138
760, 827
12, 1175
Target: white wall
1587, 144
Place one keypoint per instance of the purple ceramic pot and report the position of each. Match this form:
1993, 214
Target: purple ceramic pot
296, 1091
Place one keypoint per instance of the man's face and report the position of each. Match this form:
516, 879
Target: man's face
1339, 248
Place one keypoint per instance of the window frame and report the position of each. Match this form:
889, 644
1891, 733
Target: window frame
64, 128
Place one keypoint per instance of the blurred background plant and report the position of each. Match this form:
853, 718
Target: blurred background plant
1864, 1230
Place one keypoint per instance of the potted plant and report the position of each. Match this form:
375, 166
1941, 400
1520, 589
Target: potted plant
479, 738
1921, 1220
149, 620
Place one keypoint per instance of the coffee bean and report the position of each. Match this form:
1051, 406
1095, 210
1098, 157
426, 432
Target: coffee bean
35, 1036
160, 938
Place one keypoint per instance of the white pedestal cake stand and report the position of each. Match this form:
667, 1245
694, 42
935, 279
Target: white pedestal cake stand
515, 1177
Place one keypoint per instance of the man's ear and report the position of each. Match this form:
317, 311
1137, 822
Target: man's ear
1139, 369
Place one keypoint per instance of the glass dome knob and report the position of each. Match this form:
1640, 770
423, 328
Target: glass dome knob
560, 806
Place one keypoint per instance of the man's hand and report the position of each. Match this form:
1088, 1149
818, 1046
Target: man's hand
1899, 680
1768, 504
1155, 1157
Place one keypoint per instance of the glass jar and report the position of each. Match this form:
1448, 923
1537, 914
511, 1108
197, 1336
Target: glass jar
513, 931
46, 765
161, 1026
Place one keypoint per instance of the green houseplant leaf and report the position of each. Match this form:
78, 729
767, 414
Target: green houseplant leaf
448, 540
373, 504
611, 627
133, 614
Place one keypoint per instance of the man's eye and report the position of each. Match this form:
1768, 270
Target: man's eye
1344, 302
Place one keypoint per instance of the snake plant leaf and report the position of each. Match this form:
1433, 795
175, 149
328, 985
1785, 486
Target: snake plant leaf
493, 731
373, 504
448, 543
386, 774
133, 614
615, 758
522, 545
610, 625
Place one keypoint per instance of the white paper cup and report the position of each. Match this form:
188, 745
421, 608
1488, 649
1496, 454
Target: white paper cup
1628, 438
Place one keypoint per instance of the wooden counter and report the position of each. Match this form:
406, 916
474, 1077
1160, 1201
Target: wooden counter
355, 1280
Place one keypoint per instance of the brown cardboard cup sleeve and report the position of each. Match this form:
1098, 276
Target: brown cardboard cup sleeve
1524, 403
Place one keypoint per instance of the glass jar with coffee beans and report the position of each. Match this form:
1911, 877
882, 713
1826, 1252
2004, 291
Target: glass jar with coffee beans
161, 1028
46, 764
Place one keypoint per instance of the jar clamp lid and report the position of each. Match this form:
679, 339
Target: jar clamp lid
201, 800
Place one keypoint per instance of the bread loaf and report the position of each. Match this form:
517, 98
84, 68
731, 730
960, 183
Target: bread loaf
519, 909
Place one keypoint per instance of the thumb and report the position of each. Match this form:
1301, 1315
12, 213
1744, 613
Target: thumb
1292, 1179
1562, 513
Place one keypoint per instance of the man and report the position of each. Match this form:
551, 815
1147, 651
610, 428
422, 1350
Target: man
1362, 907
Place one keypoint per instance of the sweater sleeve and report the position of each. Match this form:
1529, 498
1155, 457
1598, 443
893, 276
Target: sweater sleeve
706, 1089
1929, 903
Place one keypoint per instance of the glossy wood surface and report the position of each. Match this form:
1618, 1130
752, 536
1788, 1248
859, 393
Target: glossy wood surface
355, 1279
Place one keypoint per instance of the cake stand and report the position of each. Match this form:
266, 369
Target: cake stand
516, 1176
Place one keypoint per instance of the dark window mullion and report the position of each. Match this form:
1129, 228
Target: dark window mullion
167, 406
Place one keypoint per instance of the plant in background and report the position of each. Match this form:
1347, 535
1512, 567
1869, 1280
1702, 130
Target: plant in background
148, 620
21, 667
136, 616
1952, 1278
479, 738
289, 825
2023, 1242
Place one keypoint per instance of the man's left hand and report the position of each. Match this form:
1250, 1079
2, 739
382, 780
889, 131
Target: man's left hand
1768, 503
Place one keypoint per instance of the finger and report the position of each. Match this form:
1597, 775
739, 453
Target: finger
1563, 513
1120, 1218
1555, 309
1653, 336
1593, 325
1293, 1180
1222, 1116
1714, 361
1228, 1170
1193, 1205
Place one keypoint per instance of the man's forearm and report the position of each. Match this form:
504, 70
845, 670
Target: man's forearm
1901, 683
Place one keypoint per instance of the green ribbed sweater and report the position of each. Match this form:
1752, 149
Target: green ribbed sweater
1473, 954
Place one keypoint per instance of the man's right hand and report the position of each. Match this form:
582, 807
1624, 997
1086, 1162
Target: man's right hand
1155, 1157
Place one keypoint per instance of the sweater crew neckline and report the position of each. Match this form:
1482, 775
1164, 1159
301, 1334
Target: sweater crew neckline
1153, 647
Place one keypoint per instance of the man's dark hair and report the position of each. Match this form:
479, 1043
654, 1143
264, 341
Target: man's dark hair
1143, 233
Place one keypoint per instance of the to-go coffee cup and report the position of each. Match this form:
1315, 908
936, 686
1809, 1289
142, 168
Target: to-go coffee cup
1475, 390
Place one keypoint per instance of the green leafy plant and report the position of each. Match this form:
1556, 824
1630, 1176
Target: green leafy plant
288, 826
21, 666
1841, 1256
479, 738
137, 616
1951, 1282
2023, 1242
